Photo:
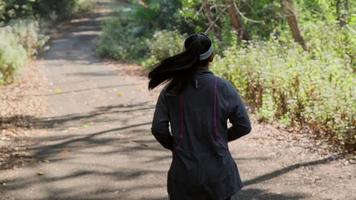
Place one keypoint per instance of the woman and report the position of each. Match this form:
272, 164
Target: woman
195, 105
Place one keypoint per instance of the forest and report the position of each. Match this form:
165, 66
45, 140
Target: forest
24, 29
76, 113
293, 61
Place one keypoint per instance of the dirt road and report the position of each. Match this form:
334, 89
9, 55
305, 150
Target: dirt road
95, 141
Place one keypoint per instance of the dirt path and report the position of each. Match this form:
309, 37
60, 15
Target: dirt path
97, 143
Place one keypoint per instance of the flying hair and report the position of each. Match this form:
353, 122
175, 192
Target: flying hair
178, 70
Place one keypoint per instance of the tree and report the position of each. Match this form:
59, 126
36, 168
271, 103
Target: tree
290, 15
209, 16
342, 11
236, 20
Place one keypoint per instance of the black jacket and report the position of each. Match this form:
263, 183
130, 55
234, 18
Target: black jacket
202, 166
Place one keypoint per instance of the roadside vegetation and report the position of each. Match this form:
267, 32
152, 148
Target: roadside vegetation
23, 29
293, 61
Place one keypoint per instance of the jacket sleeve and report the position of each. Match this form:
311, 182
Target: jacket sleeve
237, 115
160, 124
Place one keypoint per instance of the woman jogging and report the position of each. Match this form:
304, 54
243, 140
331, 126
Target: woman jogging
191, 120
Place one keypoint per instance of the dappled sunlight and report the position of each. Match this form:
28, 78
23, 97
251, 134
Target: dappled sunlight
83, 130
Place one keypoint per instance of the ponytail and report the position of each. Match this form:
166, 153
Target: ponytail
178, 69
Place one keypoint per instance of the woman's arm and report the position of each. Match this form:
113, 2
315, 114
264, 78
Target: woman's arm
160, 124
237, 115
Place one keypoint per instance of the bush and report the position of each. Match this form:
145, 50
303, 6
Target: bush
28, 35
83, 6
313, 90
125, 35
121, 39
331, 39
163, 44
64, 9
19, 41
12, 55
21, 38
48, 9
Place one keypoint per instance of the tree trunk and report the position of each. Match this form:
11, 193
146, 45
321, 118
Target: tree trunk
289, 12
209, 16
236, 20
342, 11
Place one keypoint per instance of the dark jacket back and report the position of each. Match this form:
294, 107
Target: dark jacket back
202, 166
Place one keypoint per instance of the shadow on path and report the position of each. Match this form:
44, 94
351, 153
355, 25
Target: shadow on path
258, 194
285, 170
25, 121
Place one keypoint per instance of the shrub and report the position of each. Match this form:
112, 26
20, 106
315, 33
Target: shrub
83, 6
20, 40
162, 45
313, 90
12, 55
125, 35
121, 40
28, 35
332, 39
64, 9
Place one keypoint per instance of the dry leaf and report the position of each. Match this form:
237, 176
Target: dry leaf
58, 90
120, 94
40, 173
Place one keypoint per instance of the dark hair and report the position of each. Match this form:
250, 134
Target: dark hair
179, 69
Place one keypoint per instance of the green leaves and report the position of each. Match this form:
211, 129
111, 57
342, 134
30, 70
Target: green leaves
125, 35
19, 41
314, 90
162, 45
14, 9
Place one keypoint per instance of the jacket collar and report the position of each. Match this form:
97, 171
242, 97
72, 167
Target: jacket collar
204, 71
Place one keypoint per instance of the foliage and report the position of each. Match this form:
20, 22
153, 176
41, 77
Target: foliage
331, 39
20, 40
193, 18
154, 14
11, 9
125, 35
62, 9
48, 9
83, 6
28, 35
313, 90
20, 33
122, 39
161, 46
12, 55
262, 18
